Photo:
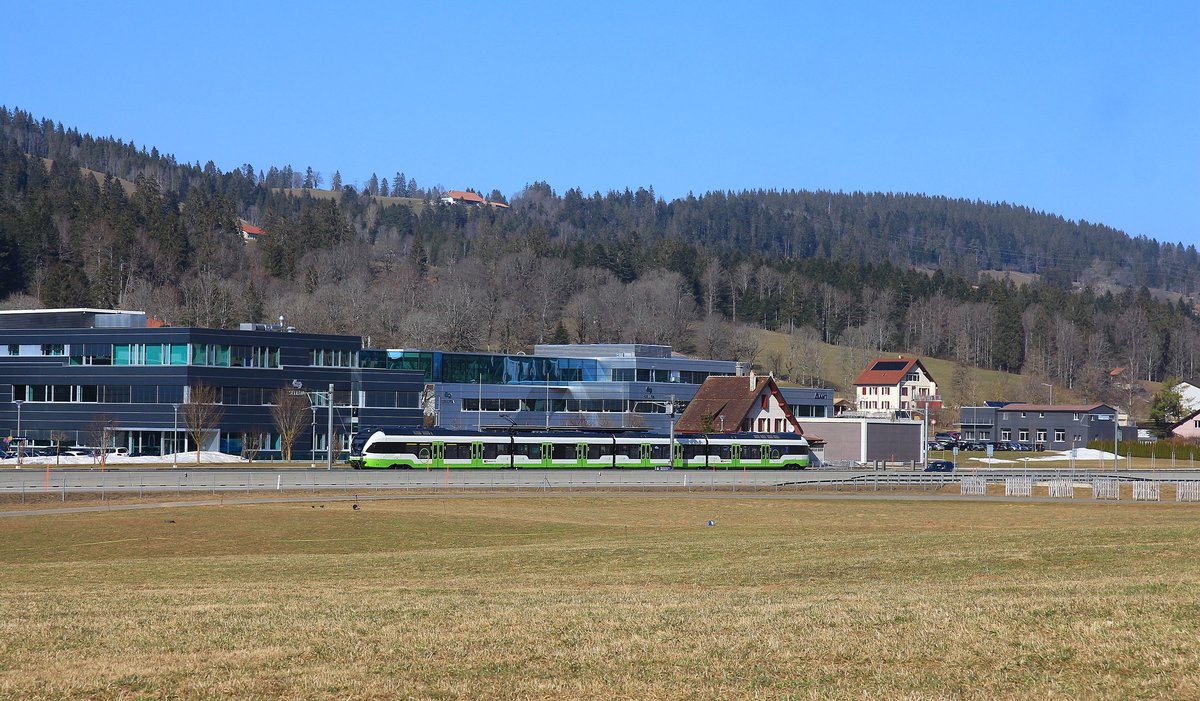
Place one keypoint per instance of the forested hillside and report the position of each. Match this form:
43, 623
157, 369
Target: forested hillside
876, 271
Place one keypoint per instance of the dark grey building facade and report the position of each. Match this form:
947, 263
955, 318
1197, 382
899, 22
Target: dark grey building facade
63, 373
1041, 426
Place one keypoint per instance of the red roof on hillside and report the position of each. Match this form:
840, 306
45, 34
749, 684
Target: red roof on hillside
252, 229
888, 371
465, 196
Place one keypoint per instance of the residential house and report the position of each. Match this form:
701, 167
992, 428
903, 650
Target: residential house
461, 197
896, 385
249, 231
738, 404
1188, 428
1189, 393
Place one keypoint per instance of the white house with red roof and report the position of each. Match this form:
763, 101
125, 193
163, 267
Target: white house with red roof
461, 197
249, 231
889, 385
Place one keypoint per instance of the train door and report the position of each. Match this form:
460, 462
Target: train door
645, 454
547, 454
476, 455
437, 453
677, 455
764, 452
581, 454
735, 455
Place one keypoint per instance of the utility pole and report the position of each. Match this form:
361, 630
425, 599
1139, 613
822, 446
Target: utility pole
671, 414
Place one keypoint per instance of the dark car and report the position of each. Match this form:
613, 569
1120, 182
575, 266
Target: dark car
939, 466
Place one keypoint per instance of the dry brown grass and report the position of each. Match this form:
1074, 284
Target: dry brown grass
604, 598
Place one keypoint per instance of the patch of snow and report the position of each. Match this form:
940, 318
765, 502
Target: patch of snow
188, 458
1080, 454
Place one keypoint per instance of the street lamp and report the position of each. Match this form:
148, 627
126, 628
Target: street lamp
1045, 384
19, 437
175, 438
313, 446
924, 429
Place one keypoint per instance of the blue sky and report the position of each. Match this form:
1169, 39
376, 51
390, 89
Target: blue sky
1090, 110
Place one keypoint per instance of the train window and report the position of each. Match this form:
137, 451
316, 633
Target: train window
659, 452
691, 452
563, 451
384, 447
458, 451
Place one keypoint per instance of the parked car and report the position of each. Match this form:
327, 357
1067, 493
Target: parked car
939, 466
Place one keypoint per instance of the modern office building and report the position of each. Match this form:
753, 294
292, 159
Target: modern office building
66, 373
606, 386
1040, 426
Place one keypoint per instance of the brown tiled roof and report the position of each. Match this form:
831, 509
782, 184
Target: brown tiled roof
892, 371
732, 397
465, 196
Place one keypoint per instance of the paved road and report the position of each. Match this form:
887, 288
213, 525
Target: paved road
215, 480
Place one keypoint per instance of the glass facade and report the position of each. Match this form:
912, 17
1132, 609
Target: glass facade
498, 369
490, 369
100, 394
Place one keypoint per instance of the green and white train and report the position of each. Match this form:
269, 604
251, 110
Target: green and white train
439, 448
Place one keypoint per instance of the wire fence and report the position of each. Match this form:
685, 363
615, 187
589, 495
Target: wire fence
61, 483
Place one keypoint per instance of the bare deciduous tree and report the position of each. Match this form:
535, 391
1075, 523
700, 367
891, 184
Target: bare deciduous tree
58, 438
201, 414
290, 412
101, 432
252, 443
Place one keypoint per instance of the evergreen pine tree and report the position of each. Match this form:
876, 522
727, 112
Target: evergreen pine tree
418, 257
560, 336
336, 185
399, 185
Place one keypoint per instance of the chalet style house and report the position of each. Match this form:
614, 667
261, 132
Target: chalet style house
892, 385
462, 197
249, 231
738, 404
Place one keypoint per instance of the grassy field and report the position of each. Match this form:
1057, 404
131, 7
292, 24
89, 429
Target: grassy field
564, 597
